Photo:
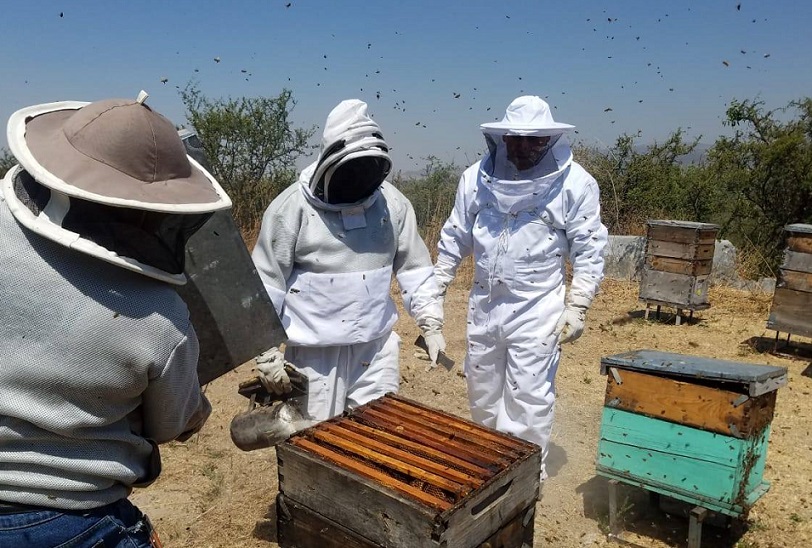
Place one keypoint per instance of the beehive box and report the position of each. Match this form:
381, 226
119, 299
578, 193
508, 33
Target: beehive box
396, 473
791, 310
694, 429
679, 258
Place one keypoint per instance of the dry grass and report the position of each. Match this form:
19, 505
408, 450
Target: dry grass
213, 495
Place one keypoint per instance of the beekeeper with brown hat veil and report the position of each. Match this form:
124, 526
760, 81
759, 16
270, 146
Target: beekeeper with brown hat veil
326, 252
521, 211
98, 354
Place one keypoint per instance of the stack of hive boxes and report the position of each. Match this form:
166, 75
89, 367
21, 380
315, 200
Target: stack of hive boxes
692, 428
791, 310
679, 257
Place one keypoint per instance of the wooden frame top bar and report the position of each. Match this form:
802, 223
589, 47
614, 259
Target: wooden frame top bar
682, 224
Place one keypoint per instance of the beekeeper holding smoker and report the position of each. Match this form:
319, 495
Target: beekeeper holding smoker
521, 211
99, 357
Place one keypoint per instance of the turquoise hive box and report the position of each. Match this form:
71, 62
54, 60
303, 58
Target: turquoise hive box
694, 429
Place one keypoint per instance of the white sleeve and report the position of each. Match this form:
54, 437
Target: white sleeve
456, 236
587, 239
273, 255
415, 274
173, 404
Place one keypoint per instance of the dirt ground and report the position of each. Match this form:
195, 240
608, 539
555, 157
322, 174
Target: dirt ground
211, 494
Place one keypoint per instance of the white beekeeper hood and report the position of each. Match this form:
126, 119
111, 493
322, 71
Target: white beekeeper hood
354, 158
110, 179
528, 115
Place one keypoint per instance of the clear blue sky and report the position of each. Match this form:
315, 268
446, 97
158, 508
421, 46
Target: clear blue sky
657, 65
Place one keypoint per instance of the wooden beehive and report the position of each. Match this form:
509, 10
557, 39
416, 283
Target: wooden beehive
679, 257
396, 473
694, 429
791, 310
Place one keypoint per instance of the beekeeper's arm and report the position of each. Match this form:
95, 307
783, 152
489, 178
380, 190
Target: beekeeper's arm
273, 256
173, 405
415, 276
587, 238
456, 237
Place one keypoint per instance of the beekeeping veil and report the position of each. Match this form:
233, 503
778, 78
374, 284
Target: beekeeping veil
110, 179
526, 116
354, 158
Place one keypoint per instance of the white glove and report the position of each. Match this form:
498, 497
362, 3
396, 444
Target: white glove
570, 325
435, 342
271, 367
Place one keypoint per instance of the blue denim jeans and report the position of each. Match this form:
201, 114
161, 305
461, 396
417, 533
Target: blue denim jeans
119, 525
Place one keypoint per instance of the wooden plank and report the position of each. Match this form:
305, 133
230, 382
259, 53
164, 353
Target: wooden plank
698, 367
517, 532
453, 421
686, 402
798, 281
801, 243
418, 449
677, 250
675, 289
354, 501
355, 445
453, 447
705, 480
682, 235
430, 426
350, 499
675, 439
791, 312
369, 472
300, 527
800, 262
485, 511
679, 266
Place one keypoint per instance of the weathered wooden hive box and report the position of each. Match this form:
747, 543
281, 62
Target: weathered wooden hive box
791, 310
691, 428
396, 473
679, 257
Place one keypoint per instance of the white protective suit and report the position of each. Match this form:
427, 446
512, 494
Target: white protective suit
520, 227
328, 270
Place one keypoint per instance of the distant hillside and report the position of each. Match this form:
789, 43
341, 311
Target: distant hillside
698, 155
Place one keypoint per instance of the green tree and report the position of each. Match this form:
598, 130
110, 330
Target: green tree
7, 161
251, 145
432, 194
766, 169
639, 185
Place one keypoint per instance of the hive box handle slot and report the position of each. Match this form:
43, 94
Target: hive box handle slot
492, 499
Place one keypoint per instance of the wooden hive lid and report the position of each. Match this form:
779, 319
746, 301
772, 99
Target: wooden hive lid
798, 227
682, 224
758, 379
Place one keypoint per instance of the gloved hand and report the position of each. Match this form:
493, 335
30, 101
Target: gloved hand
435, 342
271, 367
570, 325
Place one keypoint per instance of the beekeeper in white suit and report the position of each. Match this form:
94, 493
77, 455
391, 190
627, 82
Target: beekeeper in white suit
521, 211
326, 252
